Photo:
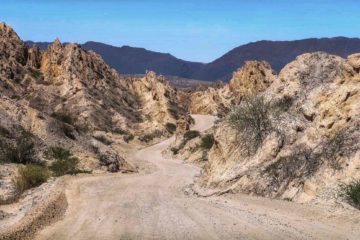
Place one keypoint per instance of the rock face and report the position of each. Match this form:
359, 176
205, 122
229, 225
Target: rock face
60, 96
158, 101
80, 83
251, 79
315, 145
182, 126
254, 77
211, 101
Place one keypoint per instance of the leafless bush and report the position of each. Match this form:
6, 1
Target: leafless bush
254, 120
339, 146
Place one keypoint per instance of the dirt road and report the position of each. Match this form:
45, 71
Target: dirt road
154, 206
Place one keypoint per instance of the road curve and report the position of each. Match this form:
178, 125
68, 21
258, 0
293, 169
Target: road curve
154, 206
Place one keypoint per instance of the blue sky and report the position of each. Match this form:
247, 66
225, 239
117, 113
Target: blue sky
192, 30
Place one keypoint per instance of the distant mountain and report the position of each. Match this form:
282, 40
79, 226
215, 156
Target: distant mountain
130, 60
277, 53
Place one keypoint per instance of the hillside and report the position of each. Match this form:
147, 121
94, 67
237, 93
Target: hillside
130, 60
292, 136
68, 99
285, 138
276, 53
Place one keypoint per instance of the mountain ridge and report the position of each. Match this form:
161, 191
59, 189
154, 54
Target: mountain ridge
137, 60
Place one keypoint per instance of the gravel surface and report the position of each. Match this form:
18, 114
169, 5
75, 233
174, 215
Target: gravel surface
153, 205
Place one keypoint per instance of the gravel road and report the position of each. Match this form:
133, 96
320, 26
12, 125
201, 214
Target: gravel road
153, 206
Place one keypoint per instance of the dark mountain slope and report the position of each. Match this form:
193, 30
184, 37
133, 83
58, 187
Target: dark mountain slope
277, 53
130, 60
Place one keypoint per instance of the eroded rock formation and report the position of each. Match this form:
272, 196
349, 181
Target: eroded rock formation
61, 95
254, 77
314, 144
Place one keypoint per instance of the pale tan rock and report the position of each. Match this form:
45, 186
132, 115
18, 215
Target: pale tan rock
354, 61
324, 92
252, 78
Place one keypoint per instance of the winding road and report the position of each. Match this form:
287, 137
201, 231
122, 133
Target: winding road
152, 205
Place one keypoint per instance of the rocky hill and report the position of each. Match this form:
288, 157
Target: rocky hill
132, 60
292, 136
68, 99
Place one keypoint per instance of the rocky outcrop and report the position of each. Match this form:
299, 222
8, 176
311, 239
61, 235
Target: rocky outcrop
158, 101
315, 145
68, 79
211, 101
254, 77
63, 94
12, 48
34, 57
182, 125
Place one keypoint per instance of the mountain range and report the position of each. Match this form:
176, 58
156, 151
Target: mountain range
131, 60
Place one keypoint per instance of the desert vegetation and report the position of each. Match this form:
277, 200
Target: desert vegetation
103, 139
30, 176
338, 147
63, 117
351, 192
191, 134
170, 127
64, 162
253, 120
17, 149
151, 136
120, 131
127, 136
207, 141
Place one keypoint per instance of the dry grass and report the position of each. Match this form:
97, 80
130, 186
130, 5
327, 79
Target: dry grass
30, 176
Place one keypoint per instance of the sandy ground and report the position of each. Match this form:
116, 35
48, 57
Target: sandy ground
152, 205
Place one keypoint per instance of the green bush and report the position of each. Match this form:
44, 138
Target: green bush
65, 166
64, 162
128, 138
63, 117
103, 139
151, 136
175, 150
59, 153
207, 141
30, 176
120, 131
191, 134
170, 127
352, 192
